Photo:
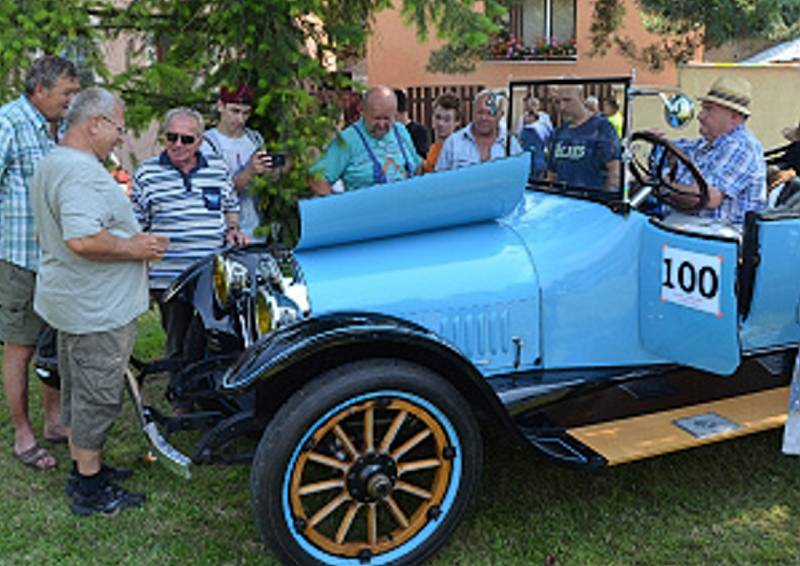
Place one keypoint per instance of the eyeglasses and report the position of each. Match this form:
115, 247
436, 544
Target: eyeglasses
120, 130
186, 139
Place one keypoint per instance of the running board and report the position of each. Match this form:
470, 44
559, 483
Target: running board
635, 438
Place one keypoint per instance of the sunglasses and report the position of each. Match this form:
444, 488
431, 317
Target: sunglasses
186, 139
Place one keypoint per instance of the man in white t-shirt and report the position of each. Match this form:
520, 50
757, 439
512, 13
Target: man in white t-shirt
242, 150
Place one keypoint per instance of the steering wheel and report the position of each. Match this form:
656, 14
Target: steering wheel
659, 172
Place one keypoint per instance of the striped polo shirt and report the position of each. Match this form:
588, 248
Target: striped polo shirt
187, 208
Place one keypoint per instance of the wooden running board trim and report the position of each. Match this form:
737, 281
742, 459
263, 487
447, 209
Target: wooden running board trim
636, 438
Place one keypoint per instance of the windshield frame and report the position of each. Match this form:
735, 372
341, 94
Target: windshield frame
517, 89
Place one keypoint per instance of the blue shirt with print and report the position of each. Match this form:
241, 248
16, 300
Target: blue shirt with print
578, 155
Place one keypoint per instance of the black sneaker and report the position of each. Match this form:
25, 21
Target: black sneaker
108, 500
110, 474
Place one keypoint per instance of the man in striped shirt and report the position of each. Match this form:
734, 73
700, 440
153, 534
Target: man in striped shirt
29, 128
188, 197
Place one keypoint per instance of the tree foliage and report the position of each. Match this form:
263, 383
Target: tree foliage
181, 51
32, 27
684, 25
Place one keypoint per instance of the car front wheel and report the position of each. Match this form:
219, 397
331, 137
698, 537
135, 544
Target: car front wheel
375, 462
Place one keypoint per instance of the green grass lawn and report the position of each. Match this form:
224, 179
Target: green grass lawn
731, 503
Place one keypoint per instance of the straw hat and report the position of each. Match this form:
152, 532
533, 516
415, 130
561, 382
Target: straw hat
730, 92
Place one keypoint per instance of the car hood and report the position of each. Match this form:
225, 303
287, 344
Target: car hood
430, 202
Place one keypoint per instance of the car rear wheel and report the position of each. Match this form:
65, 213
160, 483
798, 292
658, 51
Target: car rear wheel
375, 462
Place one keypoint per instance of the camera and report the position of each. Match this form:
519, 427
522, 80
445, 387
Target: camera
278, 159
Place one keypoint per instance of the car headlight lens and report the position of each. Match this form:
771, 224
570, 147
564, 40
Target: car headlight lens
266, 313
228, 276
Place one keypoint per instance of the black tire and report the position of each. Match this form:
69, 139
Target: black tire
304, 465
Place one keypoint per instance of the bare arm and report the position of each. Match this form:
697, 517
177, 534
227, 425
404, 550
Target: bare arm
258, 165
612, 181
232, 234
243, 179
104, 246
781, 176
320, 186
232, 221
715, 196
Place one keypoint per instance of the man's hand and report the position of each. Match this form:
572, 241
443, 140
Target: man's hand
260, 162
781, 176
150, 247
660, 134
321, 186
236, 238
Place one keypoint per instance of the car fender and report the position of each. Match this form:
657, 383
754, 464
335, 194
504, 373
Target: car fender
283, 361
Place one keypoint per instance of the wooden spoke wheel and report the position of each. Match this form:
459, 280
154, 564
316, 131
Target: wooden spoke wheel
376, 462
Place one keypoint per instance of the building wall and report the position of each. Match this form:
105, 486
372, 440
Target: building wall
775, 103
136, 146
395, 57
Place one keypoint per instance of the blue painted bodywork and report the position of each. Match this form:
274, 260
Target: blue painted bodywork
524, 281
774, 318
689, 336
552, 284
474, 194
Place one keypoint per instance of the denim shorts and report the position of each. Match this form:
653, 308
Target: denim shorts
92, 368
18, 323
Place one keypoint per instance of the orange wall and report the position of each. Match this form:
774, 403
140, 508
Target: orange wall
396, 58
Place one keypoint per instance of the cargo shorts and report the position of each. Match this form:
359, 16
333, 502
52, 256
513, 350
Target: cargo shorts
92, 368
18, 323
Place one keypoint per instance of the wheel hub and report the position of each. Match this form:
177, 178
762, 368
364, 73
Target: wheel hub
371, 477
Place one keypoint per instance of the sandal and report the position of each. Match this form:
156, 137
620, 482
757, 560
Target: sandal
57, 439
36, 458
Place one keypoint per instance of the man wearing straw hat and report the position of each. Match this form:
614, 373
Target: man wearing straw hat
727, 153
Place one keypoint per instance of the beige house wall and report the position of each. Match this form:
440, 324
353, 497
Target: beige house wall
775, 102
136, 147
396, 57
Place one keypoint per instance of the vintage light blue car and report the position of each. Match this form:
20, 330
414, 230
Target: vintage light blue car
594, 326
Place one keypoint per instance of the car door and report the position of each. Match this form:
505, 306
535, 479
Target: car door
771, 281
688, 307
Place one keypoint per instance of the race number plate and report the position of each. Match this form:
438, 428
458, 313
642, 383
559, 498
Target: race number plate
691, 279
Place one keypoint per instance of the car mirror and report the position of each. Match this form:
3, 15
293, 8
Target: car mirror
679, 109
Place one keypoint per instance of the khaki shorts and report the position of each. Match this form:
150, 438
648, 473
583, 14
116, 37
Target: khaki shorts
92, 368
18, 323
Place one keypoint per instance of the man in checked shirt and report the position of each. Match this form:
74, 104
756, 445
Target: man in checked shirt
728, 155
30, 126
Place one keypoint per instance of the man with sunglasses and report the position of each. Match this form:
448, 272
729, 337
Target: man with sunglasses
188, 197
